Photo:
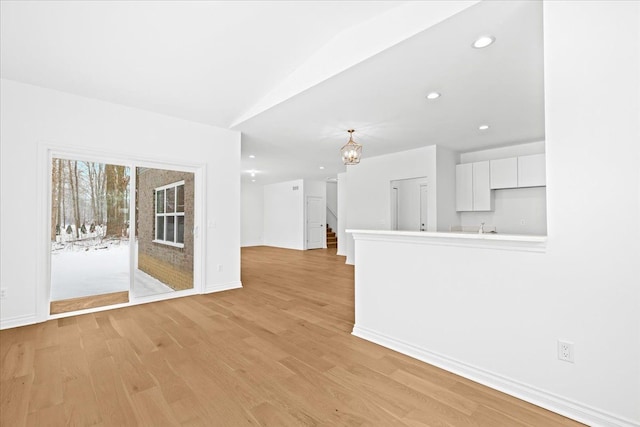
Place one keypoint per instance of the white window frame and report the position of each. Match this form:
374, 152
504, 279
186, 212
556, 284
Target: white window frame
164, 214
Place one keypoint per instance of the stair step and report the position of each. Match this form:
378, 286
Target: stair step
332, 239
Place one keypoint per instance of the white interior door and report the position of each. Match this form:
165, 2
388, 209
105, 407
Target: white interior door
315, 223
423, 208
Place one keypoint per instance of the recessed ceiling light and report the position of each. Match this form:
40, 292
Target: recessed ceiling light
251, 156
322, 167
433, 95
483, 41
253, 180
483, 127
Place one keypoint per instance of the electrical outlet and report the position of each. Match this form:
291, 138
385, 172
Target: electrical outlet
565, 351
219, 267
523, 222
3, 293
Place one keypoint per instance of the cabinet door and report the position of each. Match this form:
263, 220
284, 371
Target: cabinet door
504, 173
482, 195
531, 171
464, 187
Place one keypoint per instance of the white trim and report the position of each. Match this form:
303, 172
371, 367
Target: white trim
252, 243
164, 242
550, 401
199, 231
43, 233
164, 214
173, 184
222, 287
16, 321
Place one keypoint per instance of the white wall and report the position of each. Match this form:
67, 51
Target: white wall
252, 215
368, 190
316, 189
500, 317
332, 204
284, 215
592, 171
33, 117
342, 215
446, 161
516, 210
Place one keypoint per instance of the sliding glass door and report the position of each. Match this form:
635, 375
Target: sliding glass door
107, 241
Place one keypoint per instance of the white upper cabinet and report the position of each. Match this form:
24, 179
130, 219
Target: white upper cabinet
531, 171
464, 187
482, 195
473, 192
504, 173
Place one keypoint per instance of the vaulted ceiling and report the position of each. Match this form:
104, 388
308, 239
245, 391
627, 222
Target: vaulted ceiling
294, 76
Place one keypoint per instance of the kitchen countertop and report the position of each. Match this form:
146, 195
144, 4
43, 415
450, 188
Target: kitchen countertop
457, 238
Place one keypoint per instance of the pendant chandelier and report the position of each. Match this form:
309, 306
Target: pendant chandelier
352, 151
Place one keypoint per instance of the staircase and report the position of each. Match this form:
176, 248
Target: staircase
332, 240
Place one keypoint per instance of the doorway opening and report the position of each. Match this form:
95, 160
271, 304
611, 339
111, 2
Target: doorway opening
409, 204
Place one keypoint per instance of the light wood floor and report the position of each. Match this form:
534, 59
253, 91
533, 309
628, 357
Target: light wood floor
278, 352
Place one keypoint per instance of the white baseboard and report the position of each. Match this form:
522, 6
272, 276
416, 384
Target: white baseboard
14, 322
250, 244
552, 402
222, 287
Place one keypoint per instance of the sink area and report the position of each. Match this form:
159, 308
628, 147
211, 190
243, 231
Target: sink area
472, 229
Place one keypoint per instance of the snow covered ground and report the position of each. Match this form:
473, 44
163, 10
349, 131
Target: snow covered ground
145, 285
81, 269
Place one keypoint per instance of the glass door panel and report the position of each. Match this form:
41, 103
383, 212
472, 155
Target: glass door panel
163, 260
90, 254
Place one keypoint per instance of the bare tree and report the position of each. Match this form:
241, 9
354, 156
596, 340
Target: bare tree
74, 184
57, 197
117, 182
101, 191
60, 195
91, 174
